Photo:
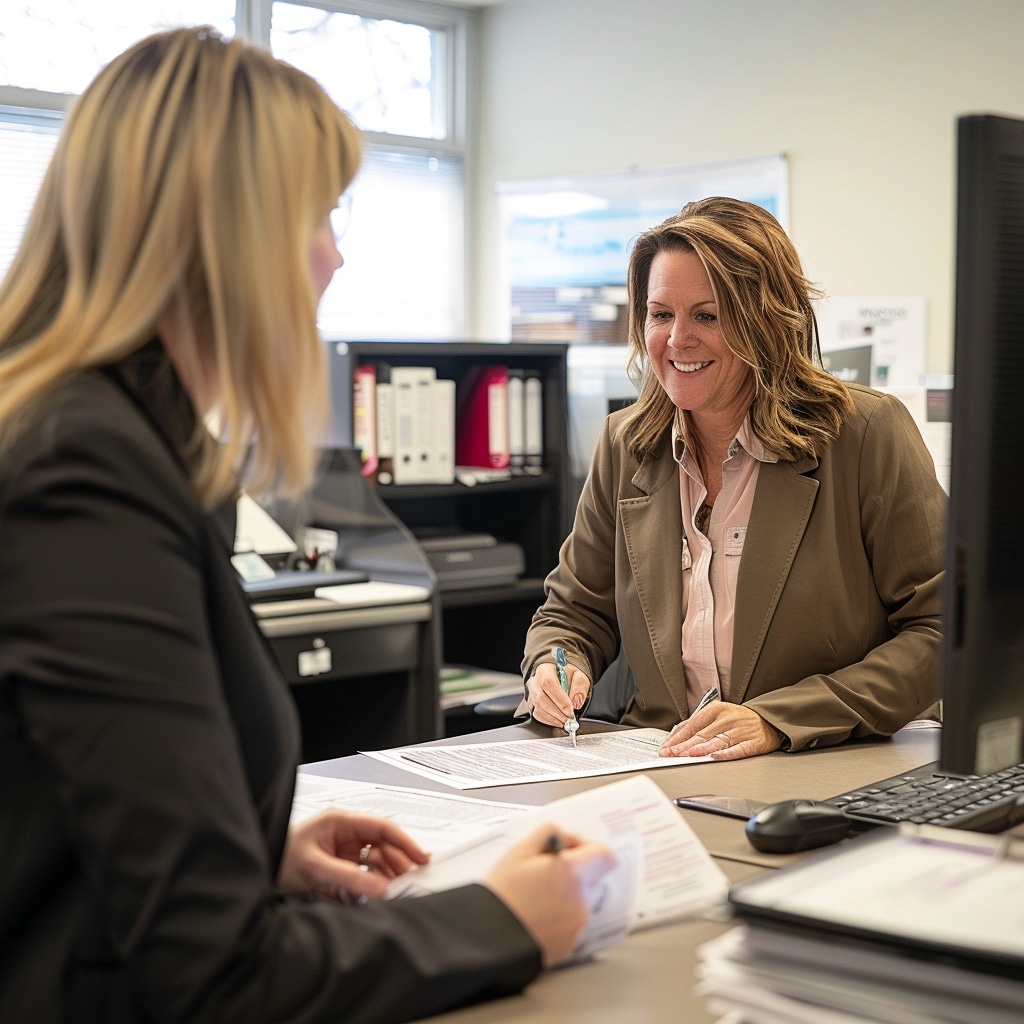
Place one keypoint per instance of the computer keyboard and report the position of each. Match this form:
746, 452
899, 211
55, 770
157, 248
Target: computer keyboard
977, 803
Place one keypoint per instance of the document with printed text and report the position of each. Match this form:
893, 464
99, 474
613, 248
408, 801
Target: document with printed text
479, 765
437, 821
662, 873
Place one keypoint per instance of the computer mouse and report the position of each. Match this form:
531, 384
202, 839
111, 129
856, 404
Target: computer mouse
795, 825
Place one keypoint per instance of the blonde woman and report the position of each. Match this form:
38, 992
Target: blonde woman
169, 274
752, 529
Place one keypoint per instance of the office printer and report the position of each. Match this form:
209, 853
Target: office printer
460, 559
364, 672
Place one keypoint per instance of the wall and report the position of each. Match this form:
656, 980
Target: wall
860, 95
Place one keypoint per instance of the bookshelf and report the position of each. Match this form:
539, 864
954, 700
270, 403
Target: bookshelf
483, 626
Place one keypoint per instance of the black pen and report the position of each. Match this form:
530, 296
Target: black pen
554, 843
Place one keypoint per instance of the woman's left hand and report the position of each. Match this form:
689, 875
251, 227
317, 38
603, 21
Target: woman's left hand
346, 856
726, 732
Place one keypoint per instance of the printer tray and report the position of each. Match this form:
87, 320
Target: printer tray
292, 583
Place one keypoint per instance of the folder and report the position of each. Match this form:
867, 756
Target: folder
482, 427
516, 419
385, 425
533, 411
364, 417
442, 454
412, 392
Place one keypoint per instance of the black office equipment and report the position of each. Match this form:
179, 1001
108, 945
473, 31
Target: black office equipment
981, 664
462, 560
795, 825
927, 796
362, 677
981, 676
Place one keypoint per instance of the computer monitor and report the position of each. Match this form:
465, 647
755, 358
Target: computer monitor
981, 666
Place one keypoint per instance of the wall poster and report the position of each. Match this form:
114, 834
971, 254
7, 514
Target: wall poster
567, 240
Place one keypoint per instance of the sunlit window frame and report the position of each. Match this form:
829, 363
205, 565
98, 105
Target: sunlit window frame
253, 19
458, 24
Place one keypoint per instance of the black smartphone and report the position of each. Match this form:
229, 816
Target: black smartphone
730, 806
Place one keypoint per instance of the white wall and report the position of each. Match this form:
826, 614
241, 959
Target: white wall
861, 96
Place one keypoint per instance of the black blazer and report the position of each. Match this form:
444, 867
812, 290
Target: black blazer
147, 759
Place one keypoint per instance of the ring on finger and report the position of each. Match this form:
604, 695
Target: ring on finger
724, 737
364, 854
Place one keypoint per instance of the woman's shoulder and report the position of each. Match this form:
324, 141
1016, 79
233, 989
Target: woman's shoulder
870, 404
882, 428
868, 398
614, 440
88, 429
81, 411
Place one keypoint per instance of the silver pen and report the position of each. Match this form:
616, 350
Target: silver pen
571, 725
712, 695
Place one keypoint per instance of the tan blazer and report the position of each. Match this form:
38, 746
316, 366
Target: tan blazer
837, 612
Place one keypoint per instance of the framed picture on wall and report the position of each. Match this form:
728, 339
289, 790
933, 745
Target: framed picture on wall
567, 240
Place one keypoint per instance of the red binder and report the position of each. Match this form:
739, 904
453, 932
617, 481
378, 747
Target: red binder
482, 423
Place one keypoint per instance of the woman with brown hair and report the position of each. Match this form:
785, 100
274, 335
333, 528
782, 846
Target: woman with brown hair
752, 528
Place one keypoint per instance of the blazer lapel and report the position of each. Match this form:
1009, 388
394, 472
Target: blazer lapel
782, 507
652, 527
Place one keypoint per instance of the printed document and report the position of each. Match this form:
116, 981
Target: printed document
480, 765
439, 822
663, 872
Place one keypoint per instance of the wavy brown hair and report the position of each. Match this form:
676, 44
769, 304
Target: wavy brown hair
188, 180
767, 320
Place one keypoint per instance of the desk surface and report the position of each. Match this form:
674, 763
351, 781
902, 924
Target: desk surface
649, 977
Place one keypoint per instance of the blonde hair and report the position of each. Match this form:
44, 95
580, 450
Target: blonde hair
188, 180
767, 320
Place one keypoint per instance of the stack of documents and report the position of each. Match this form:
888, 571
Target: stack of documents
663, 873
917, 926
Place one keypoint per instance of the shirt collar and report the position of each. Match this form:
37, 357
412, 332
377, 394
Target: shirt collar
745, 439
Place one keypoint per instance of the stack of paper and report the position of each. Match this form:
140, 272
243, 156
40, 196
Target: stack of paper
919, 926
662, 872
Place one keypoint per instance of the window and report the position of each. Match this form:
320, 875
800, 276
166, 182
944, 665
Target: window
397, 67
27, 141
389, 75
404, 266
58, 46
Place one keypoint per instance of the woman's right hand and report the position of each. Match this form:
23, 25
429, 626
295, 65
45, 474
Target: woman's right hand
551, 704
549, 892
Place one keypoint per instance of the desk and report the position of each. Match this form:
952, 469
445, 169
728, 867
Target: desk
358, 675
649, 977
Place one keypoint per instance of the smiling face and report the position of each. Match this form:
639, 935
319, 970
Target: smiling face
688, 353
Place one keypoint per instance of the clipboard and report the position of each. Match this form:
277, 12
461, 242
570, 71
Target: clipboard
918, 891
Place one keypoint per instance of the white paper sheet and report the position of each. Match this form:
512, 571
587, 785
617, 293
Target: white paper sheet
439, 822
663, 871
479, 765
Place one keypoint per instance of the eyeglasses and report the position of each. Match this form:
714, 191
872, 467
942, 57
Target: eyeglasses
341, 215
